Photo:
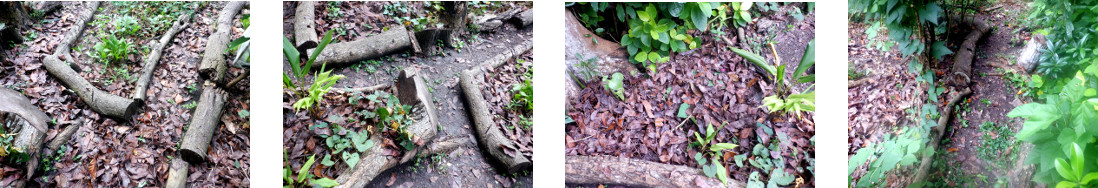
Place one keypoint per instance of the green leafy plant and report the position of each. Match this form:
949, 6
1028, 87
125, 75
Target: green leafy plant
741, 13
1071, 43
321, 85
524, 92
782, 100
711, 151
347, 146
393, 116
614, 84
1073, 172
911, 24
655, 30
126, 25
300, 70
112, 49
303, 177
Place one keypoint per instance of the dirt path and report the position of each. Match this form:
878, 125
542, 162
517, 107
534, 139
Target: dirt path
467, 166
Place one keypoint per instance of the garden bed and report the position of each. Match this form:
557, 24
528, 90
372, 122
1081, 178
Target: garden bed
708, 90
106, 151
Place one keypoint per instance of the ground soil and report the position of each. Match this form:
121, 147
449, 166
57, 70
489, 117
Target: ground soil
894, 89
466, 166
111, 153
720, 87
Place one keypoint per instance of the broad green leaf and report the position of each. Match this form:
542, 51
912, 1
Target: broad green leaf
939, 49
930, 13
292, 55
698, 18
320, 47
682, 110
641, 56
722, 173
781, 177
755, 59
709, 170
1064, 170
351, 158
327, 161
653, 56
859, 158
325, 182
303, 173
1040, 117
1077, 159
723, 146
1089, 177
1066, 184
807, 60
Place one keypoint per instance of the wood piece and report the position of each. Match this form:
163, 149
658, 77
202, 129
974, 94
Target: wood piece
453, 16
962, 62
489, 134
70, 38
15, 19
213, 59
238, 79
140, 92
428, 40
18, 111
609, 57
524, 19
66, 134
1030, 54
200, 131
377, 87
492, 22
304, 28
406, 86
635, 173
177, 175
936, 135
374, 161
100, 101
46, 7
385, 43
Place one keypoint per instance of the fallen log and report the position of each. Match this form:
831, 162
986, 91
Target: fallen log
962, 62
374, 161
66, 134
140, 92
377, 87
100, 101
46, 7
936, 136
177, 175
213, 59
30, 122
605, 57
635, 173
200, 131
491, 22
395, 40
304, 29
490, 135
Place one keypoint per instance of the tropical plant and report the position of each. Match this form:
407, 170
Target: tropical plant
347, 146
126, 25
708, 150
303, 177
781, 100
1073, 172
392, 116
112, 49
297, 68
741, 13
524, 92
911, 24
321, 85
655, 29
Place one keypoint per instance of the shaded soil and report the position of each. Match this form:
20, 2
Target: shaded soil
968, 157
721, 89
464, 167
116, 154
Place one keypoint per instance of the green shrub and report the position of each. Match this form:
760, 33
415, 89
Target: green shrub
655, 29
126, 25
524, 92
303, 177
111, 49
911, 24
320, 87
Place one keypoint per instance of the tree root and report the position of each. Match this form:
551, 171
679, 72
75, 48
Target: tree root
936, 136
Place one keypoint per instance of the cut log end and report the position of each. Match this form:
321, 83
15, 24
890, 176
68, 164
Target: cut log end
192, 156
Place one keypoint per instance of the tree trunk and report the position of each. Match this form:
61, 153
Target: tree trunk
139, 93
30, 121
607, 56
213, 60
304, 29
373, 160
635, 173
936, 136
453, 17
14, 18
962, 62
207, 117
490, 135
395, 40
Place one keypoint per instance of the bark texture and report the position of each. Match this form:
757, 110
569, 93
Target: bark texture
489, 134
635, 173
607, 57
397, 39
936, 136
213, 59
207, 117
374, 161
15, 19
139, 93
177, 175
304, 29
962, 62
18, 112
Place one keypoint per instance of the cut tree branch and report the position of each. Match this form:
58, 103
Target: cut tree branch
936, 136
213, 60
139, 93
490, 135
635, 173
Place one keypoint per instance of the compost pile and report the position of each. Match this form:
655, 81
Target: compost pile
105, 151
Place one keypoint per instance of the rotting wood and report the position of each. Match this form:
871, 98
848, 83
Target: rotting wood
15, 19
213, 65
177, 175
1030, 54
31, 122
608, 170
963, 60
200, 131
304, 28
377, 87
373, 160
66, 134
151, 61
46, 7
100, 101
606, 57
492, 22
395, 40
489, 134
936, 135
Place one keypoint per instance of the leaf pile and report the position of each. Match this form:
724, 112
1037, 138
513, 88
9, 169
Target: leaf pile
110, 153
511, 119
711, 85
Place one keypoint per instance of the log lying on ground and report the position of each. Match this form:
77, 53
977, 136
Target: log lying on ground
936, 136
207, 117
139, 93
491, 22
47, 7
17, 111
609, 57
1028, 58
962, 62
100, 101
177, 175
635, 173
367, 89
304, 29
66, 134
490, 135
395, 40
213, 60
374, 161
